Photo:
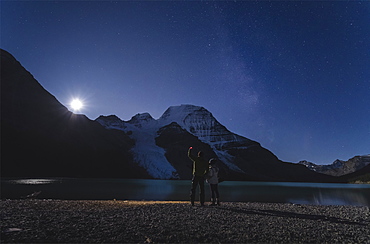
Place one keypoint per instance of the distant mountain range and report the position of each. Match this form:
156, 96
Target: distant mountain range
40, 137
340, 167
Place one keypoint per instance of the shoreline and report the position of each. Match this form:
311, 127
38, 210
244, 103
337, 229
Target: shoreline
110, 221
108, 189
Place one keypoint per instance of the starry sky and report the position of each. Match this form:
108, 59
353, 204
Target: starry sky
294, 76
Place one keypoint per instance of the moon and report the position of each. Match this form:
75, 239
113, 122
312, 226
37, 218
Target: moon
76, 104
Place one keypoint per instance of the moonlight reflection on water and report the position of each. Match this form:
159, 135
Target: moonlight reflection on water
33, 181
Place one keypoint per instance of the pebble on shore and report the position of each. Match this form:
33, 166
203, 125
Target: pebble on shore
66, 221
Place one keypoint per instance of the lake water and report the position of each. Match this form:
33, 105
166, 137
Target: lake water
127, 189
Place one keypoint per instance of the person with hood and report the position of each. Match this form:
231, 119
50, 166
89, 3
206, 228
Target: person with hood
200, 169
212, 179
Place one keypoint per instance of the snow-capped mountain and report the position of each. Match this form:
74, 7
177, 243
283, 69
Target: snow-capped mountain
200, 122
161, 145
196, 120
339, 167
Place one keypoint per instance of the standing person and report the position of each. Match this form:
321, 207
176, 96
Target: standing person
200, 169
212, 179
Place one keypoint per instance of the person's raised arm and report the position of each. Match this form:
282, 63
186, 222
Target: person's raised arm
189, 153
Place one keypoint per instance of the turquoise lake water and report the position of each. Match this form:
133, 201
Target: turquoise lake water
127, 189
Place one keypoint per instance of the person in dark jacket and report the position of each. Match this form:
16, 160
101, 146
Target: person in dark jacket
200, 169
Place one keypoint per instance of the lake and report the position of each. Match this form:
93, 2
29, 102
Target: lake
129, 189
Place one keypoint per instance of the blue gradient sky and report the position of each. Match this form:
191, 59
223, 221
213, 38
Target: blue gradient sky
294, 76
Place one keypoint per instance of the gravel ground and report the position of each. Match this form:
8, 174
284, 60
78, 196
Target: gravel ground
65, 221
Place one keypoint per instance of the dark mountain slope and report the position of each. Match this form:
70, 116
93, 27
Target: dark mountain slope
258, 161
362, 175
173, 139
40, 137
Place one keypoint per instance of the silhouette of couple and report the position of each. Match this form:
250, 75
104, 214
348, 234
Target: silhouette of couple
203, 170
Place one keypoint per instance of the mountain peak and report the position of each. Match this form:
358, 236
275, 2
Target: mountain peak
141, 119
109, 117
178, 113
142, 116
111, 121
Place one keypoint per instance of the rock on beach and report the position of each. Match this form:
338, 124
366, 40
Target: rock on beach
66, 221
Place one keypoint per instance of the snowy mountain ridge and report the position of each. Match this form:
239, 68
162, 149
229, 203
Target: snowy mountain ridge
198, 121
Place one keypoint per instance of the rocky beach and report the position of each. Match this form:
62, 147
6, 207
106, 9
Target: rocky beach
90, 221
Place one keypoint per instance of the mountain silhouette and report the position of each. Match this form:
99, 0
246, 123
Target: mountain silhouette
41, 137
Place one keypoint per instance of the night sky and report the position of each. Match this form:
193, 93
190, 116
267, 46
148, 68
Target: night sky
294, 76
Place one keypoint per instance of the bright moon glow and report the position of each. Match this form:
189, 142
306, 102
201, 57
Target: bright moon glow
76, 104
